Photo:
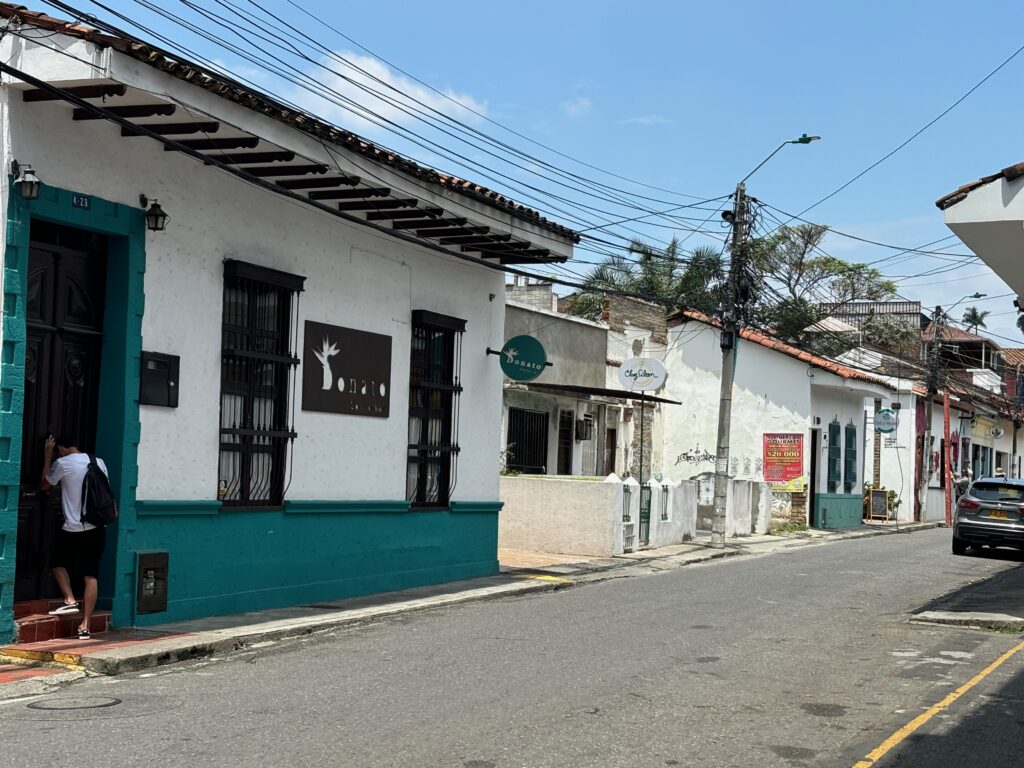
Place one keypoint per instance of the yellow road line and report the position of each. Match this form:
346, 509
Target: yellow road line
882, 749
557, 579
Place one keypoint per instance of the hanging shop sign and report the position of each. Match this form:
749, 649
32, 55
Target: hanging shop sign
784, 461
886, 420
346, 371
642, 374
523, 358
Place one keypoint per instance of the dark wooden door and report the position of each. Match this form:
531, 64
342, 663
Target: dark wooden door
566, 422
611, 446
64, 318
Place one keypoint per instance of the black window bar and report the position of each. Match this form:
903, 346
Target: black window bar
434, 387
258, 365
527, 441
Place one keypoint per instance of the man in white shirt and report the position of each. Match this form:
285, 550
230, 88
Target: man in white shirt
79, 545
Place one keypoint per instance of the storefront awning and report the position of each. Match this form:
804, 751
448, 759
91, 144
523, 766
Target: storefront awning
617, 394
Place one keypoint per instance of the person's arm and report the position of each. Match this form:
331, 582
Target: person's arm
48, 448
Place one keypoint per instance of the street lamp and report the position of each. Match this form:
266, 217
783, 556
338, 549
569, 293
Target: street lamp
728, 340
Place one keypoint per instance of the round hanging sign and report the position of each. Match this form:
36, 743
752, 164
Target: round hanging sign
886, 420
642, 374
523, 358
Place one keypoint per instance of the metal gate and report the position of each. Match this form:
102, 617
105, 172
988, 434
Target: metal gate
645, 515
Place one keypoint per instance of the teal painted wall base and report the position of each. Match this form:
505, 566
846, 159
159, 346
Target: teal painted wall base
223, 561
838, 510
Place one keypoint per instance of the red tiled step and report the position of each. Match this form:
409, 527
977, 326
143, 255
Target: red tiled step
12, 673
28, 607
36, 627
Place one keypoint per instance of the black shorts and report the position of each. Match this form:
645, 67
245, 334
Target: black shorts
79, 552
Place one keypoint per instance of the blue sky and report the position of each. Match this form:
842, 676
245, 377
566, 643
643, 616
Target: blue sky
690, 96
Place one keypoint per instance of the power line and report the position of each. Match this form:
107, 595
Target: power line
913, 136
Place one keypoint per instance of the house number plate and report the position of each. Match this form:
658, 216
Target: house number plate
80, 201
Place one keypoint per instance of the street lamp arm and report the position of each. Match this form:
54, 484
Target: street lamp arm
804, 139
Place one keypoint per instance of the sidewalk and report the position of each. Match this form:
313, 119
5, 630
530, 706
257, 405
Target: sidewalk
996, 603
114, 653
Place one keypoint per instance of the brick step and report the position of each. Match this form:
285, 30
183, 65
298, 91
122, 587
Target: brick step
29, 607
36, 627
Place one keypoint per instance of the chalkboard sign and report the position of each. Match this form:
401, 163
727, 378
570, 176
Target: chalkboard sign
879, 505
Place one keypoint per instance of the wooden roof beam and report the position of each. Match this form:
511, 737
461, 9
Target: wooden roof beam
173, 129
238, 142
321, 183
406, 214
81, 91
254, 158
474, 239
285, 170
370, 205
451, 231
455, 221
130, 111
362, 192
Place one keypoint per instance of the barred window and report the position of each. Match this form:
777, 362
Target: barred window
434, 389
257, 375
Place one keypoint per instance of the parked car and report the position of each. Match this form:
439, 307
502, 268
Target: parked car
990, 513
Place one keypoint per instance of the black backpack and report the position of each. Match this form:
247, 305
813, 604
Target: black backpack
99, 507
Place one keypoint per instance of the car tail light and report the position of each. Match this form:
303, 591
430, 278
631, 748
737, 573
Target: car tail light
969, 504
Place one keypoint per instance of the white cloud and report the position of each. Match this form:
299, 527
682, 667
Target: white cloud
577, 107
396, 92
647, 120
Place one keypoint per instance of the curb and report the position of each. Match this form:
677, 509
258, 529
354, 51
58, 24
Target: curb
161, 651
971, 620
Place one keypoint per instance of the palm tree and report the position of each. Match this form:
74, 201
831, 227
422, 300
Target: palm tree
667, 277
974, 318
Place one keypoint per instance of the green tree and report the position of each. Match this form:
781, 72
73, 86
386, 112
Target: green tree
974, 318
667, 277
891, 333
1020, 322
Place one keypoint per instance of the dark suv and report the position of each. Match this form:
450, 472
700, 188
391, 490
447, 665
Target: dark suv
990, 513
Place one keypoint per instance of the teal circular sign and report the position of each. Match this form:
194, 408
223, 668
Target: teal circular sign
523, 358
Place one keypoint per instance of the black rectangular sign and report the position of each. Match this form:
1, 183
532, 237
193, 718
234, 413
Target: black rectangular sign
346, 371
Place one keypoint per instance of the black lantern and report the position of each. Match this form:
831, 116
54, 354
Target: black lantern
156, 218
25, 180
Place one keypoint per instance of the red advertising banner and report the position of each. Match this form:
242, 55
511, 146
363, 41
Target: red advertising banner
784, 460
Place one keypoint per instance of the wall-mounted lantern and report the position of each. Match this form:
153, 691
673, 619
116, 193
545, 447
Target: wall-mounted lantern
25, 180
156, 218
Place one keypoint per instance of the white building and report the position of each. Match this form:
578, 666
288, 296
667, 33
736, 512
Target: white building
798, 420
289, 384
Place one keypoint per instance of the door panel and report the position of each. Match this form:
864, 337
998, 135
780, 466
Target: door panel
64, 334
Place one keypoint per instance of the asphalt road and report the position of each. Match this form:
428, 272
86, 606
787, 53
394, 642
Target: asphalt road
797, 658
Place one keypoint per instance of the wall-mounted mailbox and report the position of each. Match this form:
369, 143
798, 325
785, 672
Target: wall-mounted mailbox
151, 591
159, 380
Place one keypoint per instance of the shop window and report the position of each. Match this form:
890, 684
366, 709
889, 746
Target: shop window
527, 441
434, 387
258, 363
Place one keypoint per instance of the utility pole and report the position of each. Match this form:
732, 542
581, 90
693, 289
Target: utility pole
932, 387
728, 341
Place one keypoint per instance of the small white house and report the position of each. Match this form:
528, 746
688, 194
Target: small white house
798, 420
287, 378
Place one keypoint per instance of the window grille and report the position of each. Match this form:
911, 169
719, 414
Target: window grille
664, 502
527, 441
850, 459
434, 388
258, 364
835, 456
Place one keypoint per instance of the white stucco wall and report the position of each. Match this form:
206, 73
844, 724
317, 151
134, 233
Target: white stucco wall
832, 398
898, 452
355, 278
771, 394
570, 516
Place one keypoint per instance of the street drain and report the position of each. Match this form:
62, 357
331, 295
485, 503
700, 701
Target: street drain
80, 702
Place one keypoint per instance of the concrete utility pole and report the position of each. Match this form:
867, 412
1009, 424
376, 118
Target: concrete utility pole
729, 341
932, 387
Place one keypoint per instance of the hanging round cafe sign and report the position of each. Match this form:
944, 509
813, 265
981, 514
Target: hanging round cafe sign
642, 374
523, 358
886, 420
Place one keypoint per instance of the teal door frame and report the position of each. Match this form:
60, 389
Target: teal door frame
118, 435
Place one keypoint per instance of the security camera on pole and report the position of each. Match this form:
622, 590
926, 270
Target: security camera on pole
729, 339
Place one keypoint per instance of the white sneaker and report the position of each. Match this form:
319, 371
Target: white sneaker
65, 609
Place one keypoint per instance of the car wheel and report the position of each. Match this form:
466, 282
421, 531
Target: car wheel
959, 546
